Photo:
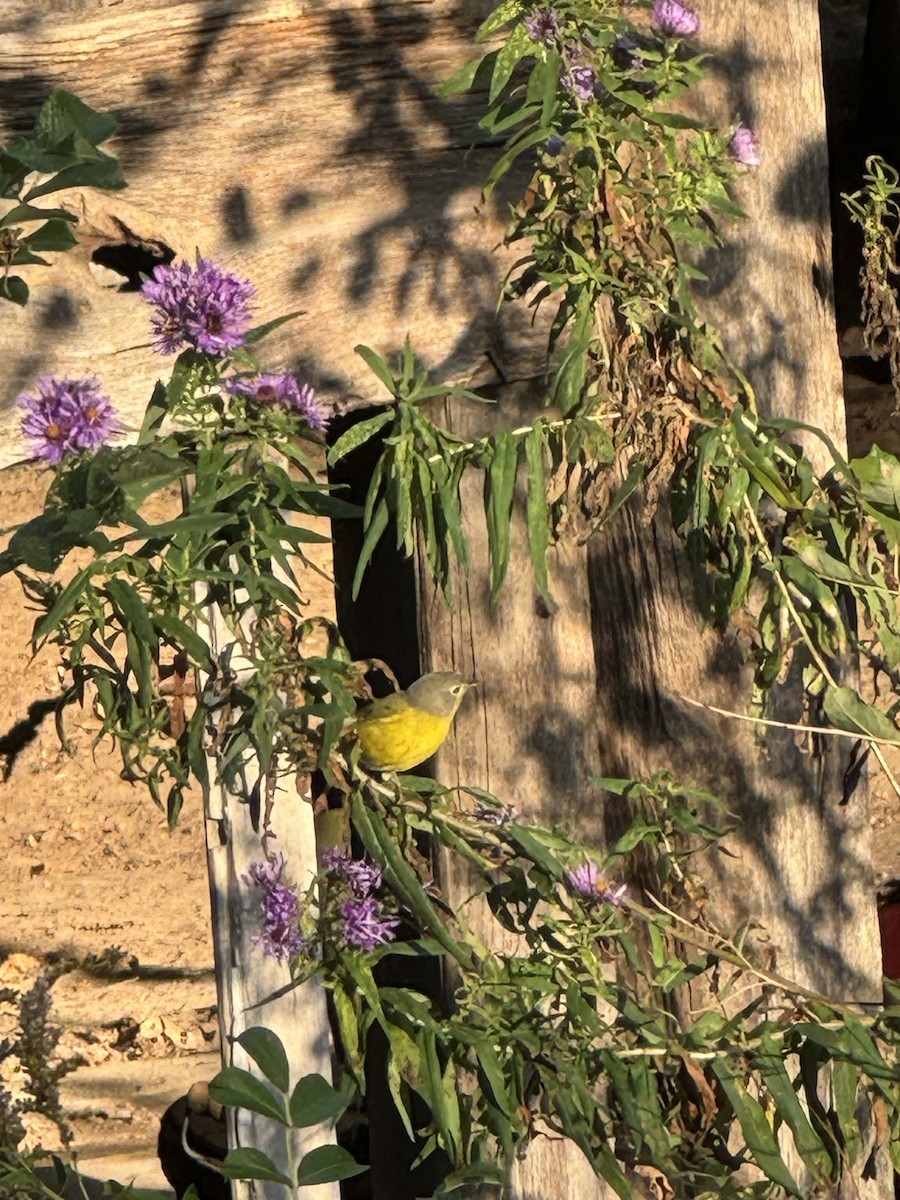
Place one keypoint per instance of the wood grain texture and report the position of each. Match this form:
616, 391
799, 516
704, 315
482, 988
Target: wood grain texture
302, 144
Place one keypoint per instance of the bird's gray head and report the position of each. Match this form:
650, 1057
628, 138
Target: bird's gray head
439, 693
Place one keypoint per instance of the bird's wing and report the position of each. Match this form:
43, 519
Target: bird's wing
387, 706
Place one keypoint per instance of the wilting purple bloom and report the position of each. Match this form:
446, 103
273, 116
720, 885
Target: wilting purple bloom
285, 390
554, 144
543, 25
744, 146
496, 816
203, 307
675, 19
626, 53
580, 80
66, 416
365, 925
362, 875
281, 937
587, 882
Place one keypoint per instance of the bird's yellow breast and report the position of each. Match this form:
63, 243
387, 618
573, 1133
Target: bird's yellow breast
400, 740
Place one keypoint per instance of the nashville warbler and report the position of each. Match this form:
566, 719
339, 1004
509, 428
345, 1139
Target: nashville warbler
402, 730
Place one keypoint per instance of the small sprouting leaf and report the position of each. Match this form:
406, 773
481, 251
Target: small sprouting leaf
358, 434
247, 1163
264, 1046
239, 1089
327, 1164
314, 1100
378, 366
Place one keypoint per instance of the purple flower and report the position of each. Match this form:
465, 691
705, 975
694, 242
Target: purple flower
580, 80
365, 925
543, 25
202, 307
361, 874
675, 19
554, 144
281, 937
66, 416
285, 390
586, 882
744, 146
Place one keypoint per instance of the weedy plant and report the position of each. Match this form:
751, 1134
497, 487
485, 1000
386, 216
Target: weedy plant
583, 1028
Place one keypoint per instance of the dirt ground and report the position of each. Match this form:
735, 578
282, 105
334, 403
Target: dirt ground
97, 886
94, 883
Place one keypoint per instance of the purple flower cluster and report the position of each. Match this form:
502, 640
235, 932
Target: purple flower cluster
66, 416
202, 307
744, 146
543, 25
365, 923
675, 19
281, 937
284, 390
587, 883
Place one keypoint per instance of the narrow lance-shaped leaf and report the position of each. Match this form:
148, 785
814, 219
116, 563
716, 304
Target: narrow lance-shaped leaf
500, 487
537, 510
758, 1136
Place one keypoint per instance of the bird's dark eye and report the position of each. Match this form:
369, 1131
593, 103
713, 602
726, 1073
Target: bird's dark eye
457, 688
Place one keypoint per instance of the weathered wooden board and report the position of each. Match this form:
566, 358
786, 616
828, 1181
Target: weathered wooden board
302, 144
598, 687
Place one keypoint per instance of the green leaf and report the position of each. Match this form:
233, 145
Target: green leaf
15, 289
516, 47
104, 173
672, 120
314, 1100
358, 434
537, 510
505, 12
247, 1163
31, 212
758, 1136
374, 531
265, 1048
461, 80
63, 114
154, 415
239, 1089
378, 366
56, 235
499, 493
327, 1164
845, 709
809, 1146
260, 331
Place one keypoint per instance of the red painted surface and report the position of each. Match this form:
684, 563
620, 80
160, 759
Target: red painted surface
889, 920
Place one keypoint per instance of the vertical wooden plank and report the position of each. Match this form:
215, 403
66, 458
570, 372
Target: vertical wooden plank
528, 732
239, 833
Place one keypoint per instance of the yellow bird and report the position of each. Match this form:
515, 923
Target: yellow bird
403, 730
